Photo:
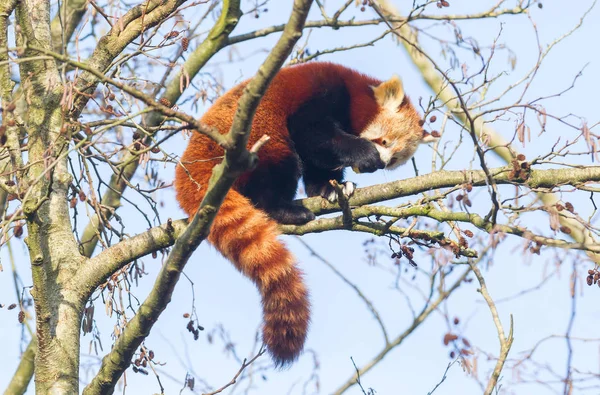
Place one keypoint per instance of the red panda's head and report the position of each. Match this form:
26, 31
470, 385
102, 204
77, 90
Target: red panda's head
397, 129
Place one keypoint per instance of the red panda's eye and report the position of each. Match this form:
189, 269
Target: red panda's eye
384, 143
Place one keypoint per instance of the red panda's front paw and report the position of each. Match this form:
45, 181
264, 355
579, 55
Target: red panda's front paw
329, 193
367, 160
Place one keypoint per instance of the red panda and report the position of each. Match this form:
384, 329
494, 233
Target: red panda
321, 118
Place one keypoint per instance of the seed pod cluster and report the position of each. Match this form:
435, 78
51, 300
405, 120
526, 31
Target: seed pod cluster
520, 169
142, 361
171, 34
407, 252
593, 277
165, 102
442, 3
194, 329
455, 340
536, 248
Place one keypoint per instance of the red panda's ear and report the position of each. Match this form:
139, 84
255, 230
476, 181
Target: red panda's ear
390, 93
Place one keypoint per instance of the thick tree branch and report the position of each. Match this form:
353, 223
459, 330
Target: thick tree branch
65, 22
550, 178
109, 261
51, 243
22, 376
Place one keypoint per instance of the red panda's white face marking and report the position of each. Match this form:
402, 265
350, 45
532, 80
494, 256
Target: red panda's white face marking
397, 129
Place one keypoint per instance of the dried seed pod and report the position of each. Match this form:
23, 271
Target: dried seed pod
18, 230
421, 122
154, 254
12, 306
136, 136
186, 315
9, 183
433, 119
445, 3
468, 233
589, 280
185, 43
569, 207
449, 337
21, 316
155, 150
10, 107
521, 157
456, 321
436, 134
151, 354
165, 102
560, 207
565, 229
82, 196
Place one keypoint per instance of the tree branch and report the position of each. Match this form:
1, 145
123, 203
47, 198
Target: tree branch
550, 178
505, 342
22, 376
114, 258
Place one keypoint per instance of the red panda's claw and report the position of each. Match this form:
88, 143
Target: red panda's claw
348, 188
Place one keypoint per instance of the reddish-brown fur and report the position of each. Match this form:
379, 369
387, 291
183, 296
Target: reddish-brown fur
246, 235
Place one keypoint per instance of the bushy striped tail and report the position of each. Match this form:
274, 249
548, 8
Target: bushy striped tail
248, 238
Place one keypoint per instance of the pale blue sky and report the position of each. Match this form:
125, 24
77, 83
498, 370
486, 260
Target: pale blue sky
342, 327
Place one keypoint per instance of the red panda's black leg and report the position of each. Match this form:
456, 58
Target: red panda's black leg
272, 188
